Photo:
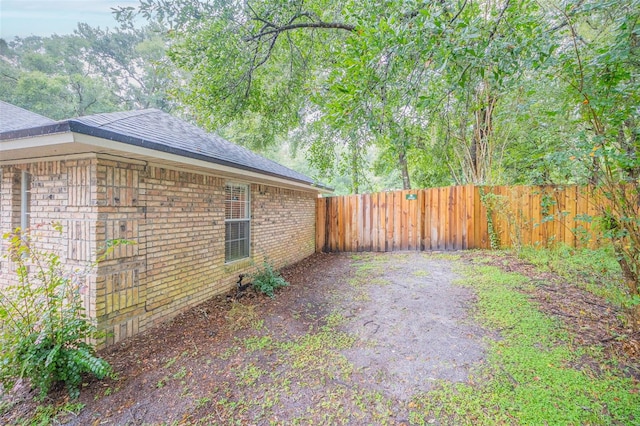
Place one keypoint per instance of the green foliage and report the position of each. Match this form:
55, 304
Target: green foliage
266, 280
529, 377
596, 270
89, 72
494, 204
601, 68
419, 85
45, 334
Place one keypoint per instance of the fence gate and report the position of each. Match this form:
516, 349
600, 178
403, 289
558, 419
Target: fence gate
455, 218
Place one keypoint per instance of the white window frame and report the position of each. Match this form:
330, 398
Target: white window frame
25, 200
241, 208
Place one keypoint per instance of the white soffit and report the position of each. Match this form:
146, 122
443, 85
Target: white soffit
70, 143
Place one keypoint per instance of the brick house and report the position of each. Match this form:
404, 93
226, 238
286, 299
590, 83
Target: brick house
200, 209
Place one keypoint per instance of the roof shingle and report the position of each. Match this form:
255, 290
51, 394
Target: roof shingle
16, 118
155, 129
149, 128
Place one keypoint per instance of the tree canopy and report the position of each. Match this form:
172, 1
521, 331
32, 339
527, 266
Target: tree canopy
429, 92
91, 71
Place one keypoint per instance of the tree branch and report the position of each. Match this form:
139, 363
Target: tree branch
284, 28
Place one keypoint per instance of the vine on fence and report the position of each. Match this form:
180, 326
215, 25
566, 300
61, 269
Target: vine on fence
499, 205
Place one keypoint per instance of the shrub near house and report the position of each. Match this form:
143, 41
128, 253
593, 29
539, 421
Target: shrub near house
45, 335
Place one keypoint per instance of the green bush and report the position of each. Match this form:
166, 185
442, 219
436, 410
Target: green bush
267, 279
44, 333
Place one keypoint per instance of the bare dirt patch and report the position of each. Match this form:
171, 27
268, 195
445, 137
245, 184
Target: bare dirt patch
351, 340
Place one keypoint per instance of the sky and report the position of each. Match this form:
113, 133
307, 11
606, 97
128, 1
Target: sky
47, 17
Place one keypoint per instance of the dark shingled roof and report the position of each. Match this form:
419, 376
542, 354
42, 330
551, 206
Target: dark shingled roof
157, 130
16, 118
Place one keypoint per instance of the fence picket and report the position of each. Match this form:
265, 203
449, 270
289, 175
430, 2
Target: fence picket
454, 218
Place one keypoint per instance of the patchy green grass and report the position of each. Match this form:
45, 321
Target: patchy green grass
308, 363
258, 343
534, 373
242, 316
529, 377
596, 270
319, 352
47, 414
248, 375
368, 270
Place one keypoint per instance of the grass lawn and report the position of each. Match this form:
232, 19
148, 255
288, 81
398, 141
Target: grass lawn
534, 338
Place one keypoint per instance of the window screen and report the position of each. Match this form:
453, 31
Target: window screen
237, 222
25, 200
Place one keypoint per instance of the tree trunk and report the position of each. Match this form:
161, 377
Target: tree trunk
481, 151
355, 175
404, 169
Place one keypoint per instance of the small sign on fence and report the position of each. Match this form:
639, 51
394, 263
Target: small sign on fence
411, 196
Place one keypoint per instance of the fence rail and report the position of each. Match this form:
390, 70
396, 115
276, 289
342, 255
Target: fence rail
456, 218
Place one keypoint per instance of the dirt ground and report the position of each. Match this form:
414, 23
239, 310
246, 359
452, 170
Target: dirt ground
350, 341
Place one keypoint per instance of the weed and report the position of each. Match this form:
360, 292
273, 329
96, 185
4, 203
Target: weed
201, 402
45, 333
229, 352
249, 375
258, 325
319, 352
50, 414
5, 406
171, 361
185, 390
253, 344
162, 382
268, 279
334, 319
180, 374
528, 379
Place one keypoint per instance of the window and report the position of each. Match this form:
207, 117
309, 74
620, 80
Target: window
25, 202
237, 222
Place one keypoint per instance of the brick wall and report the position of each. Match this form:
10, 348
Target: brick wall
184, 231
63, 192
283, 224
120, 290
175, 218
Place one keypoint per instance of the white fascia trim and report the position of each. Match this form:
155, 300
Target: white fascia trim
133, 149
36, 141
83, 156
40, 141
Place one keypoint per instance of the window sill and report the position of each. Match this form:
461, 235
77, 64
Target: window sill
236, 265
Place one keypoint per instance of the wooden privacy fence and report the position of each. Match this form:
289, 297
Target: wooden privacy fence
456, 218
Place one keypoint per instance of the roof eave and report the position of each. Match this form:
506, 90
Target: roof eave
73, 126
84, 129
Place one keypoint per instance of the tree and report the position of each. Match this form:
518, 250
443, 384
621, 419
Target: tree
132, 62
89, 72
600, 62
380, 74
44, 75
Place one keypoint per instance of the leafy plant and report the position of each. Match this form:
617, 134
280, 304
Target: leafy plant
602, 74
268, 279
45, 334
595, 270
534, 373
